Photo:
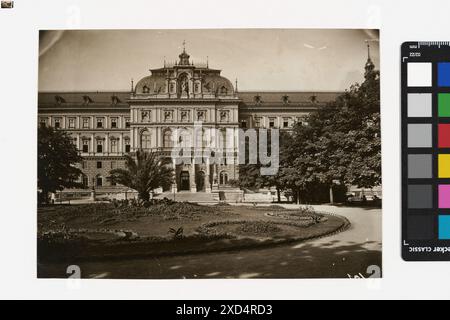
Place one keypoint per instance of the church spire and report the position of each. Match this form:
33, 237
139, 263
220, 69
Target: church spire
370, 66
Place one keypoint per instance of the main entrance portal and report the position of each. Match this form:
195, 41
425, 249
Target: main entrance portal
184, 181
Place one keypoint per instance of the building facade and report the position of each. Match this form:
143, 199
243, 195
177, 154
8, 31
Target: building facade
179, 102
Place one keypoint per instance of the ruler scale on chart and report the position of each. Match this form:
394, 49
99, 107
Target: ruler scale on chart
425, 116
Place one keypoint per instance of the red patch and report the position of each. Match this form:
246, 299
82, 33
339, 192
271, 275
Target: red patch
444, 135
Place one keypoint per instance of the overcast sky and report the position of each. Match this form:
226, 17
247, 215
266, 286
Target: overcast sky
261, 59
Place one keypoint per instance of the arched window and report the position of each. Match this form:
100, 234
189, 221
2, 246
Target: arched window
223, 178
167, 139
146, 140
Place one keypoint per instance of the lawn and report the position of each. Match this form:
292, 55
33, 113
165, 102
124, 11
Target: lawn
119, 230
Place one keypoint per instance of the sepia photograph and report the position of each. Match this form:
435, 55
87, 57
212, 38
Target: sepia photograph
209, 154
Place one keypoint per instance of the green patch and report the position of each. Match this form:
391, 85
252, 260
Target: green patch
444, 105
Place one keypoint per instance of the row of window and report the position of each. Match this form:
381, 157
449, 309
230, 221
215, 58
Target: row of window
101, 164
185, 136
100, 122
272, 123
99, 146
98, 181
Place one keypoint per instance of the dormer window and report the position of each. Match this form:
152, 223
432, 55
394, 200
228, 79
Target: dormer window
257, 99
146, 89
285, 99
87, 100
59, 99
115, 99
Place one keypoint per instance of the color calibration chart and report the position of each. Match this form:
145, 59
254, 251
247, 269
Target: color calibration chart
425, 86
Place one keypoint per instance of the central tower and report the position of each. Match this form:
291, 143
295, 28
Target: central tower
167, 108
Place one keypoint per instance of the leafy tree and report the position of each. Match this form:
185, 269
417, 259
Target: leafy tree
341, 141
145, 172
250, 174
57, 157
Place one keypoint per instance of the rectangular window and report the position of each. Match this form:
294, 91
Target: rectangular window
99, 146
285, 123
83, 164
127, 147
99, 164
244, 124
113, 165
99, 181
113, 123
127, 122
85, 145
257, 122
113, 145
99, 123
43, 122
85, 181
57, 123
85, 123
71, 123
271, 123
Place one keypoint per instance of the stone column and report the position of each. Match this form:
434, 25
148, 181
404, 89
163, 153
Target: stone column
120, 147
215, 179
78, 141
192, 176
106, 146
174, 183
93, 144
207, 173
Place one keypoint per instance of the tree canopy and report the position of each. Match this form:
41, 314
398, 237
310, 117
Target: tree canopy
143, 173
57, 159
339, 143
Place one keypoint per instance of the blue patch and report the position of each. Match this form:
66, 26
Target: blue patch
444, 74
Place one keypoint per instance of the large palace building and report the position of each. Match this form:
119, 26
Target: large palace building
107, 125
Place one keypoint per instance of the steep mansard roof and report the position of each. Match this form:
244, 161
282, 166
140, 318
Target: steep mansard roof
249, 98
275, 98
